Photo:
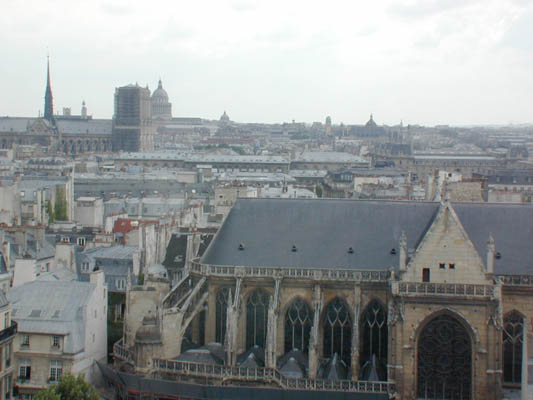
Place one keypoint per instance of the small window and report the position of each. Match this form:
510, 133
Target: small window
24, 370
451, 266
7, 354
55, 341
442, 266
56, 370
425, 275
25, 340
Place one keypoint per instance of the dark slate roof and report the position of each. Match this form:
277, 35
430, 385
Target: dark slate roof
85, 127
253, 357
201, 355
3, 267
322, 231
511, 226
293, 364
334, 368
177, 246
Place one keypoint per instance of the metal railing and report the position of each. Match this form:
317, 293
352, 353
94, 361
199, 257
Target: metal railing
9, 332
267, 375
122, 353
294, 273
516, 280
449, 289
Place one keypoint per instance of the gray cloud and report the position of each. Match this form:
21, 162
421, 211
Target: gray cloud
117, 8
520, 34
425, 8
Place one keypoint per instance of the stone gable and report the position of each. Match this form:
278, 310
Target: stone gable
447, 252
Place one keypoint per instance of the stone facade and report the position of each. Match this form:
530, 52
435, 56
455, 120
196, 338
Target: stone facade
442, 291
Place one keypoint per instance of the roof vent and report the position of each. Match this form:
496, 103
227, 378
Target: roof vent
241, 247
498, 255
294, 249
350, 250
393, 251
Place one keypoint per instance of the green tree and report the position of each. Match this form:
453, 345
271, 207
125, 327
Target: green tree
318, 190
69, 388
50, 209
60, 211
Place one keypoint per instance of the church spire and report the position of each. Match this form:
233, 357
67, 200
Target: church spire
48, 99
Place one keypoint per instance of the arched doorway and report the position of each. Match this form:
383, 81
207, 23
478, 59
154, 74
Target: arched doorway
338, 331
444, 360
513, 330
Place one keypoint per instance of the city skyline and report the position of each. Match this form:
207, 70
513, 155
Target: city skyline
432, 62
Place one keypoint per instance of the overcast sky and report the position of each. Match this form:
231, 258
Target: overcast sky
420, 61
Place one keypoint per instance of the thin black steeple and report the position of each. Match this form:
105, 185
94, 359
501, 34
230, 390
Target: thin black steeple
48, 99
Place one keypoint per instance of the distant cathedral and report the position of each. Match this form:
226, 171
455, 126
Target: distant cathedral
161, 107
79, 134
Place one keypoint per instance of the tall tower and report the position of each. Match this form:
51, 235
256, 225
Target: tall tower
132, 121
48, 99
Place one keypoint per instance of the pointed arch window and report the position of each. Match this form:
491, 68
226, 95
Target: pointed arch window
298, 320
373, 333
444, 369
256, 318
513, 330
338, 330
221, 307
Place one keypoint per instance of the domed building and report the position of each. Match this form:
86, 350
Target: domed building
224, 119
161, 108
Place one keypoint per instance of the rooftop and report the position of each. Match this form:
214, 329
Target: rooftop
320, 233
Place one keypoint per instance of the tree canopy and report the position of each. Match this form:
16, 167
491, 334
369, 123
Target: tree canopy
69, 387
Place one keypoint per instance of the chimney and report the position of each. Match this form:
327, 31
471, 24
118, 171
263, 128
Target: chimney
20, 239
490, 255
97, 277
403, 252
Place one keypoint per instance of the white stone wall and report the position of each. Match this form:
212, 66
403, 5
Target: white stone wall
90, 214
446, 243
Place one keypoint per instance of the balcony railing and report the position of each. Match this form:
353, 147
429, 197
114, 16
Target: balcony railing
267, 375
516, 280
9, 332
122, 353
341, 275
444, 289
